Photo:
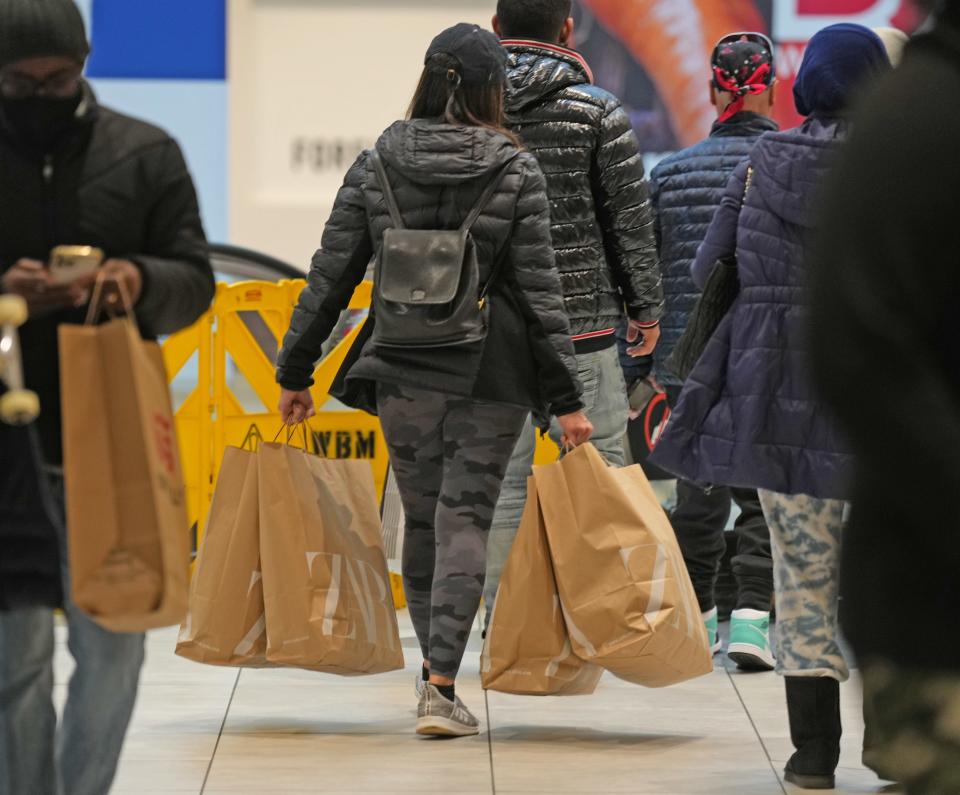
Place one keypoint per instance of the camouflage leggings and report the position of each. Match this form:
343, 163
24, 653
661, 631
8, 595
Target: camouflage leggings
805, 539
913, 719
449, 456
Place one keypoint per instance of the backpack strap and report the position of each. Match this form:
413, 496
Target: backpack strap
388, 196
487, 194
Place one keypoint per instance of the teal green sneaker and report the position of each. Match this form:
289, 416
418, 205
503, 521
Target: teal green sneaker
750, 640
712, 620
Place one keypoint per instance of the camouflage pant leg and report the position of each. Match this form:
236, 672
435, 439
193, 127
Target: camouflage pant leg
805, 540
414, 437
914, 722
449, 457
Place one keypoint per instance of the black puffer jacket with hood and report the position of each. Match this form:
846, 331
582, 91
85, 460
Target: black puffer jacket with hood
599, 199
117, 183
438, 173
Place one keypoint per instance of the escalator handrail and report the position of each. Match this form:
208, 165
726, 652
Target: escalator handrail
283, 269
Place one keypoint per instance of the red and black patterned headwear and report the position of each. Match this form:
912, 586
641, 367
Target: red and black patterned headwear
742, 65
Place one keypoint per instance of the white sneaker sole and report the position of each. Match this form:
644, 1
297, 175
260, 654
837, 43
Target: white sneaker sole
751, 658
444, 727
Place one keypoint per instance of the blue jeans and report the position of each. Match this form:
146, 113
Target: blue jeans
80, 759
607, 407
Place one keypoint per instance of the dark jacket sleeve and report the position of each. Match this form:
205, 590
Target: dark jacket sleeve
656, 190
337, 268
177, 278
721, 239
540, 296
626, 216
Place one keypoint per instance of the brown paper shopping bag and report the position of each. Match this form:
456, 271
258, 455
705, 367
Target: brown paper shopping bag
528, 650
326, 586
628, 600
126, 507
225, 623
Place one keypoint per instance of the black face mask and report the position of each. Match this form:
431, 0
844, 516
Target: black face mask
40, 121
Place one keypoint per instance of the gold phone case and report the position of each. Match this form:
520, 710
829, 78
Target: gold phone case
71, 262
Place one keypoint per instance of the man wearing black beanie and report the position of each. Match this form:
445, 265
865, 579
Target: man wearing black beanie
75, 173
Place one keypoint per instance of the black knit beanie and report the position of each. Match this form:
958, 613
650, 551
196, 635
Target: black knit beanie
38, 28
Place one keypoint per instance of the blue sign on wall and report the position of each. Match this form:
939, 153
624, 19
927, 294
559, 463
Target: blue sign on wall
159, 39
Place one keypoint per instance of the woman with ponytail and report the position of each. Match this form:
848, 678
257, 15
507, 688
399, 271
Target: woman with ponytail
451, 411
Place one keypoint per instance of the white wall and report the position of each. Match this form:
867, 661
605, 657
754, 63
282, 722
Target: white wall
311, 84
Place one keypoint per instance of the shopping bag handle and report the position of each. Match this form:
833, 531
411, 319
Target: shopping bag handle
249, 442
100, 305
291, 430
569, 447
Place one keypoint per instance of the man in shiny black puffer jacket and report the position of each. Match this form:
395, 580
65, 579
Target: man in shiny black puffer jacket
602, 228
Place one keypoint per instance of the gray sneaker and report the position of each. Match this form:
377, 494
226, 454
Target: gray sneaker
419, 686
442, 718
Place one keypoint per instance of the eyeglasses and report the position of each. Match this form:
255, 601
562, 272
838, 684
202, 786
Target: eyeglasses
750, 36
60, 85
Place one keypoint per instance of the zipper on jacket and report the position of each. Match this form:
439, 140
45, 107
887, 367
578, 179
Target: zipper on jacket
49, 210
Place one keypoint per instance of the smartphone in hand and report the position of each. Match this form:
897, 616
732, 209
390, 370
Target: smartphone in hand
69, 263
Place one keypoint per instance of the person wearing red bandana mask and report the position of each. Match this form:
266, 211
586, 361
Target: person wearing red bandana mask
687, 189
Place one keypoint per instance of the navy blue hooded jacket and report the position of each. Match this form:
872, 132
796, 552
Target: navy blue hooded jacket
748, 415
687, 189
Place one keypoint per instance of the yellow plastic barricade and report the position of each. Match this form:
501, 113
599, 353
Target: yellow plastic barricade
233, 350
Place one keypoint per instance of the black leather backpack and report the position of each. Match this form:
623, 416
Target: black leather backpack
427, 291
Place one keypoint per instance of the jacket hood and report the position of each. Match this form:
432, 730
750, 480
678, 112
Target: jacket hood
536, 70
431, 152
790, 167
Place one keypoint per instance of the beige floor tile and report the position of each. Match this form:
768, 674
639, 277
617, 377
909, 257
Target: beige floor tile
181, 708
692, 738
270, 762
163, 667
277, 703
140, 776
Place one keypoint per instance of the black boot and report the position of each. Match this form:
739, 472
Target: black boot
813, 704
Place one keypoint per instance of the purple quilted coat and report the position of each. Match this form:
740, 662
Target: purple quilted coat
748, 415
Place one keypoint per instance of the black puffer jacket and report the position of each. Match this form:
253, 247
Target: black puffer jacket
438, 172
602, 216
119, 184
687, 189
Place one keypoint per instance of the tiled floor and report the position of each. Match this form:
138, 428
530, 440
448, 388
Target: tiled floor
216, 731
